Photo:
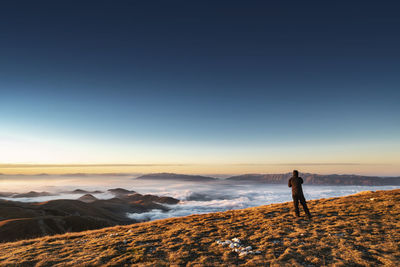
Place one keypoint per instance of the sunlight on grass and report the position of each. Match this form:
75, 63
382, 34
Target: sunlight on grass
361, 229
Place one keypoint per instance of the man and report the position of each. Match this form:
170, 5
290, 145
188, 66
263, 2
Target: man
297, 194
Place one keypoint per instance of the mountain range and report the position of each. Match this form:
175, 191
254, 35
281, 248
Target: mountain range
309, 178
174, 176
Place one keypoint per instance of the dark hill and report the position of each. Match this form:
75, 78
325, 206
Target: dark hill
21, 220
120, 191
6, 194
33, 194
87, 198
81, 191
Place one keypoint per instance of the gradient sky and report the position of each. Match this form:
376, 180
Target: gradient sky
215, 86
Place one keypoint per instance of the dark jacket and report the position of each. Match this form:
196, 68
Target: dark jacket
295, 184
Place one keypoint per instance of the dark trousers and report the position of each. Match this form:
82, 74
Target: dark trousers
296, 199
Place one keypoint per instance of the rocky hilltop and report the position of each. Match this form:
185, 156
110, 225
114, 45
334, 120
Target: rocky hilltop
357, 230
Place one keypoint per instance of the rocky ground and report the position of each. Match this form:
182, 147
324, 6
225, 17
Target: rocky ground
358, 230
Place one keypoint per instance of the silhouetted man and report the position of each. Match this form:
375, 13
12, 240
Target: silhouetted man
297, 194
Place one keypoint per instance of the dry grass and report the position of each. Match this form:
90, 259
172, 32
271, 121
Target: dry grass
358, 230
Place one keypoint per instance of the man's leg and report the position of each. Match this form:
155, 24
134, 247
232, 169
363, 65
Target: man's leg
296, 205
303, 202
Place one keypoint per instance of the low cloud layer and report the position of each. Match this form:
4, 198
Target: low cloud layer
195, 197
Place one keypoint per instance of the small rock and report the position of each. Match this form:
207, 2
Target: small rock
237, 240
339, 234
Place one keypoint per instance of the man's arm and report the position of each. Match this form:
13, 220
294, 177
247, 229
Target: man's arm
289, 184
301, 180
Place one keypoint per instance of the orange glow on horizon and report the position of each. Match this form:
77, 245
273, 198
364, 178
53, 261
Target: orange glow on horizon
205, 169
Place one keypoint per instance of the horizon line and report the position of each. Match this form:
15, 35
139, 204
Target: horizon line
74, 165
209, 174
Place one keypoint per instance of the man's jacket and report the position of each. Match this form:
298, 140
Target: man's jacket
295, 184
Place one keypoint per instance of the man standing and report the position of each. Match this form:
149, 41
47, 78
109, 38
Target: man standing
297, 194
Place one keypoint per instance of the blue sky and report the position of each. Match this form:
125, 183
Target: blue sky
200, 82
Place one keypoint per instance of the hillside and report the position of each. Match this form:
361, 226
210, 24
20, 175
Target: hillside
19, 220
357, 230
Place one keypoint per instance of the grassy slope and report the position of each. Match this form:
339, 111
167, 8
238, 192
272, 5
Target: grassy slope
361, 229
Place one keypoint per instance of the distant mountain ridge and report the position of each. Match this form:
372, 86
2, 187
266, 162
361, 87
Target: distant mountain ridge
319, 179
282, 178
174, 176
81, 191
33, 194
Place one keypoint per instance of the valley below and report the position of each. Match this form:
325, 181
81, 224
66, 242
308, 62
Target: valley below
22, 220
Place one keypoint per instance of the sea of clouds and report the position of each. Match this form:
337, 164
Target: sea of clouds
195, 197
205, 198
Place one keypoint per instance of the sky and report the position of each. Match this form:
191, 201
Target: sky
200, 86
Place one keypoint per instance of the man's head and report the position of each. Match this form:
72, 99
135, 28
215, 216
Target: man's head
295, 173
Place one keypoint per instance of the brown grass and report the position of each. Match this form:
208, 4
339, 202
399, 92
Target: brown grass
358, 230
